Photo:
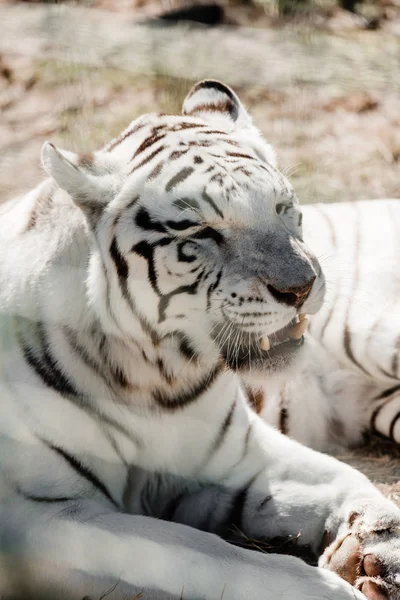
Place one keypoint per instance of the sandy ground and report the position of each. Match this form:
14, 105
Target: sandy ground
335, 142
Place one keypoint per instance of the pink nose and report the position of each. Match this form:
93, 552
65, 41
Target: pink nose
292, 296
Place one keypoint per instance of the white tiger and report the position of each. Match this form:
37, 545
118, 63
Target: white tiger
351, 380
136, 285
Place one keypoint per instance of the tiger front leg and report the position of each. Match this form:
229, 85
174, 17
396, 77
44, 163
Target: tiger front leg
332, 508
281, 490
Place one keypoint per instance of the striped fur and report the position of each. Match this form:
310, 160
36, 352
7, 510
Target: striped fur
135, 284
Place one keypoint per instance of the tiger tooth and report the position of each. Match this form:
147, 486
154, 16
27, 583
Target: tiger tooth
298, 330
265, 344
302, 316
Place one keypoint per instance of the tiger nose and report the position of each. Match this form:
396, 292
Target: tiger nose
292, 296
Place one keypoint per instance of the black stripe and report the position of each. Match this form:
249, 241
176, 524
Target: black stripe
223, 429
132, 203
330, 314
241, 155
122, 268
177, 154
125, 134
156, 171
247, 439
163, 371
233, 522
212, 131
395, 359
144, 221
120, 264
183, 289
148, 158
181, 255
211, 203
209, 234
72, 340
44, 364
82, 470
264, 502
212, 287
52, 379
374, 415
48, 499
388, 392
146, 250
334, 244
347, 333
186, 349
184, 345
395, 419
283, 419
147, 142
283, 413
55, 380
182, 225
347, 345
213, 84
179, 178
116, 372
186, 125
371, 335
188, 396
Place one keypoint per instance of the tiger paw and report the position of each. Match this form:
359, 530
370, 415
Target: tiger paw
367, 553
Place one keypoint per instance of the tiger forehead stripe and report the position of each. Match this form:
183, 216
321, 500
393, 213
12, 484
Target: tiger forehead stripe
240, 155
156, 171
211, 203
179, 178
178, 153
148, 158
147, 142
124, 135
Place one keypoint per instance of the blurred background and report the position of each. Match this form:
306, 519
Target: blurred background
320, 77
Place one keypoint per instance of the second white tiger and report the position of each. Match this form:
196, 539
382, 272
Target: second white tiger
351, 380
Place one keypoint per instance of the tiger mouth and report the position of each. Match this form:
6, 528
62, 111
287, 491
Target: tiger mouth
256, 351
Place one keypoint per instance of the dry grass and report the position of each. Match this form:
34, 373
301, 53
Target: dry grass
340, 145
380, 460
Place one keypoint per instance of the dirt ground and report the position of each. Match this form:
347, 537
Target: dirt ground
336, 141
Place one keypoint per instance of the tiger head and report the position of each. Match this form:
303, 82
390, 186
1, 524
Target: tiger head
195, 233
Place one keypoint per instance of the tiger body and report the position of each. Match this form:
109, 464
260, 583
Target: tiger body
135, 285
350, 383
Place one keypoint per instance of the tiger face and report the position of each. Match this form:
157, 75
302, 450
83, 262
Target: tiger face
199, 232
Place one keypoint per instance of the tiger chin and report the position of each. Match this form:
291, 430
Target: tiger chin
138, 286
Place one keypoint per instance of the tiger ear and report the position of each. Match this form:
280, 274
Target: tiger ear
211, 100
85, 190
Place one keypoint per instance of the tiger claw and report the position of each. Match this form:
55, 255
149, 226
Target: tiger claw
368, 557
